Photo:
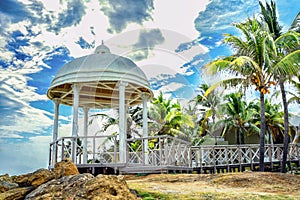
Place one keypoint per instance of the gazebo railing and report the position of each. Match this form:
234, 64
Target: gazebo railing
165, 151
226, 155
96, 150
162, 150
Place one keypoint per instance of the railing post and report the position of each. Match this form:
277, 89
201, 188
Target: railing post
160, 151
200, 159
85, 133
227, 159
240, 157
143, 152
94, 149
251, 157
115, 150
270, 154
50, 159
178, 153
166, 150
62, 148
214, 158
297, 153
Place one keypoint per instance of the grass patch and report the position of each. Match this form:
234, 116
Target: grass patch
152, 195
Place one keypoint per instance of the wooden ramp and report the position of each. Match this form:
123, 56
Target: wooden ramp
167, 155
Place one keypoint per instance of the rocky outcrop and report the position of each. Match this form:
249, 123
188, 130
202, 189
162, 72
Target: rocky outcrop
34, 179
69, 184
15, 194
65, 168
83, 186
6, 183
17, 187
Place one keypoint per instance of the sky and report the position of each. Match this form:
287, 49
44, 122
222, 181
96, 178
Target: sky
170, 40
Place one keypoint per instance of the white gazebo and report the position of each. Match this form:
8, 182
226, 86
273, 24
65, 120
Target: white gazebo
98, 81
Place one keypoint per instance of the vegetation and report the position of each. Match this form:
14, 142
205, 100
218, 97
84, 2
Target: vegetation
285, 63
263, 58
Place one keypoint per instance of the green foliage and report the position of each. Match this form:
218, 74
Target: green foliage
274, 120
152, 196
238, 117
167, 118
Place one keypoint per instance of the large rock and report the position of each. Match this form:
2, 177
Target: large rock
83, 186
34, 179
15, 194
65, 168
6, 183
5, 177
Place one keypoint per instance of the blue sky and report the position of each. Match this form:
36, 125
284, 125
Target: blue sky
169, 39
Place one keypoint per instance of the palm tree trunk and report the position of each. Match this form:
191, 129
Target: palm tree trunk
214, 121
296, 137
239, 135
262, 132
286, 127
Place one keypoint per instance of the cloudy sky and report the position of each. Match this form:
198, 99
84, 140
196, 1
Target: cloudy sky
169, 39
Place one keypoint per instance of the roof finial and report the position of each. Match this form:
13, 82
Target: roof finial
101, 49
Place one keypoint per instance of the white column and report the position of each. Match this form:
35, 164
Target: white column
55, 130
76, 90
85, 133
122, 122
145, 127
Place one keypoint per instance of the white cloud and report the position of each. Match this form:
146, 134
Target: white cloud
177, 16
21, 158
20, 116
171, 87
26, 119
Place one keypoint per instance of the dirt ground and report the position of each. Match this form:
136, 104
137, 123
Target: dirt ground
246, 185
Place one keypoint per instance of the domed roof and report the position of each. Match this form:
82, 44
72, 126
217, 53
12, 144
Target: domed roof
98, 74
102, 49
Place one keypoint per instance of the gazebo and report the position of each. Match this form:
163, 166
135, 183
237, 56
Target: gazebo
99, 81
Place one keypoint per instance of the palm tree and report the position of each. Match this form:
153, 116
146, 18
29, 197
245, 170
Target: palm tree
250, 65
167, 118
238, 117
134, 121
295, 96
206, 106
274, 120
284, 44
259, 59
296, 24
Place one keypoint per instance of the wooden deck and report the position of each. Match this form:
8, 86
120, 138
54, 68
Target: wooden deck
166, 155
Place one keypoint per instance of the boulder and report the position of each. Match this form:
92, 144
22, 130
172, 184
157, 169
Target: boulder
5, 177
15, 194
65, 168
107, 187
7, 185
83, 186
34, 179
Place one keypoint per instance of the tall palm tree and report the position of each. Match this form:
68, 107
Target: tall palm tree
269, 16
250, 65
259, 59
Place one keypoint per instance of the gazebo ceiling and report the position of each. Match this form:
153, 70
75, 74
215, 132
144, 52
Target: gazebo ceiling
98, 75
